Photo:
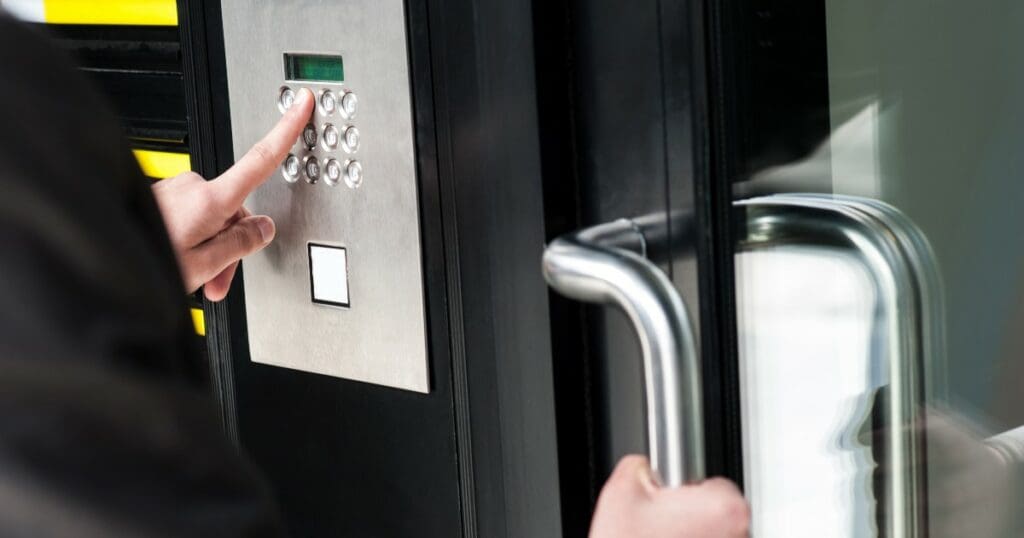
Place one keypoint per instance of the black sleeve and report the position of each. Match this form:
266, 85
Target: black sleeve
105, 424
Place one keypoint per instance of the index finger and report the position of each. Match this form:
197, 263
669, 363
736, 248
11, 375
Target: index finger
235, 184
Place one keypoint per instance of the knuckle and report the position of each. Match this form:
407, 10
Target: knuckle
245, 237
627, 468
261, 150
206, 204
631, 461
182, 178
732, 510
741, 518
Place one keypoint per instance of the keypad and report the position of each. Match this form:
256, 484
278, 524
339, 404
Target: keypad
312, 169
330, 137
353, 174
332, 172
349, 105
328, 102
330, 132
351, 139
309, 136
285, 100
291, 168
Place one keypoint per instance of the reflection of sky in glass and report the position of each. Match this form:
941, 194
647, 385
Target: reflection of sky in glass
805, 320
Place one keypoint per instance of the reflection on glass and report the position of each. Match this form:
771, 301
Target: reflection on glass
892, 343
926, 106
807, 383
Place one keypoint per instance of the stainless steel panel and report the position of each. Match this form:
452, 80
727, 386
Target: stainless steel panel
381, 337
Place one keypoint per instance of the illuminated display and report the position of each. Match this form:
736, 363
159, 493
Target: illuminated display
314, 68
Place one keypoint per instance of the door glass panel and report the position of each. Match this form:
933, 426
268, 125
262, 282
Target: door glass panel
818, 486
919, 105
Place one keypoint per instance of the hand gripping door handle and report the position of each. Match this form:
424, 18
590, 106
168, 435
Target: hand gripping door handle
605, 264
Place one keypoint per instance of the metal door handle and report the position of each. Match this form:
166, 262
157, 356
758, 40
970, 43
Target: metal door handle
908, 340
605, 264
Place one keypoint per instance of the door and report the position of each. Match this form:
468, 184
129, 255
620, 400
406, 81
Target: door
873, 160
854, 170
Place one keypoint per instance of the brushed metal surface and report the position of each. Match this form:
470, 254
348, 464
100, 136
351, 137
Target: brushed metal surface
381, 337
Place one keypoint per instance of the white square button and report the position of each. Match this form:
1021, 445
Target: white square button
328, 274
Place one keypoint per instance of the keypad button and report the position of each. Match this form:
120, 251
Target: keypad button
309, 136
285, 99
332, 172
353, 174
349, 104
291, 169
331, 136
351, 139
328, 102
312, 167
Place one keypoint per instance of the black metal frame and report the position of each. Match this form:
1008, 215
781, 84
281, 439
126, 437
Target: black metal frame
715, 162
684, 88
484, 98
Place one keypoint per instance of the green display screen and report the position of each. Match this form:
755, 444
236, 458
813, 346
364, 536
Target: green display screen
314, 67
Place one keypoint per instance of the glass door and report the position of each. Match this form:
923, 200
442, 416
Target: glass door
876, 164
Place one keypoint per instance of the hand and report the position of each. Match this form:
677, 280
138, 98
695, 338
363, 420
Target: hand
633, 506
209, 228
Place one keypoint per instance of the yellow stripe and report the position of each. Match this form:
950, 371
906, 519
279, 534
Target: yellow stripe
199, 321
129, 12
162, 164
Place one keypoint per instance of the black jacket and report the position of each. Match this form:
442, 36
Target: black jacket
106, 428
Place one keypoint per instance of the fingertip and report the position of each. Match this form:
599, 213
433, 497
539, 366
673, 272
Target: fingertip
636, 470
724, 502
218, 287
630, 462
266, 227
213, 293
303, 99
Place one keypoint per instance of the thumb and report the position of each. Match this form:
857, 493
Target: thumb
242, 238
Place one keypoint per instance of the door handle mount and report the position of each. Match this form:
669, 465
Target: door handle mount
606, 264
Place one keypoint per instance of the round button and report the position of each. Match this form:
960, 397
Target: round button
312, 170
291, 168
353, 174
285, 99
351, 139
332, 172
331, 136
309, 136
349, 104
328, 102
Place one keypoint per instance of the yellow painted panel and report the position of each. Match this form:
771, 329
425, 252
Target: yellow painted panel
162, 164
199, 321
127, 12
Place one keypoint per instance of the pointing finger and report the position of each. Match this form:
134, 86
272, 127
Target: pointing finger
234, 185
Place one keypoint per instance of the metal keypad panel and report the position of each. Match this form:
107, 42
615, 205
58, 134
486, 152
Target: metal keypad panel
319, 200
320, 143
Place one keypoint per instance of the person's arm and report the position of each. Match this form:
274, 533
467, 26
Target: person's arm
209, 227
106, 423
631, 505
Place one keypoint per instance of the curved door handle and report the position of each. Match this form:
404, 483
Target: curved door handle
908, 344
605, 264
